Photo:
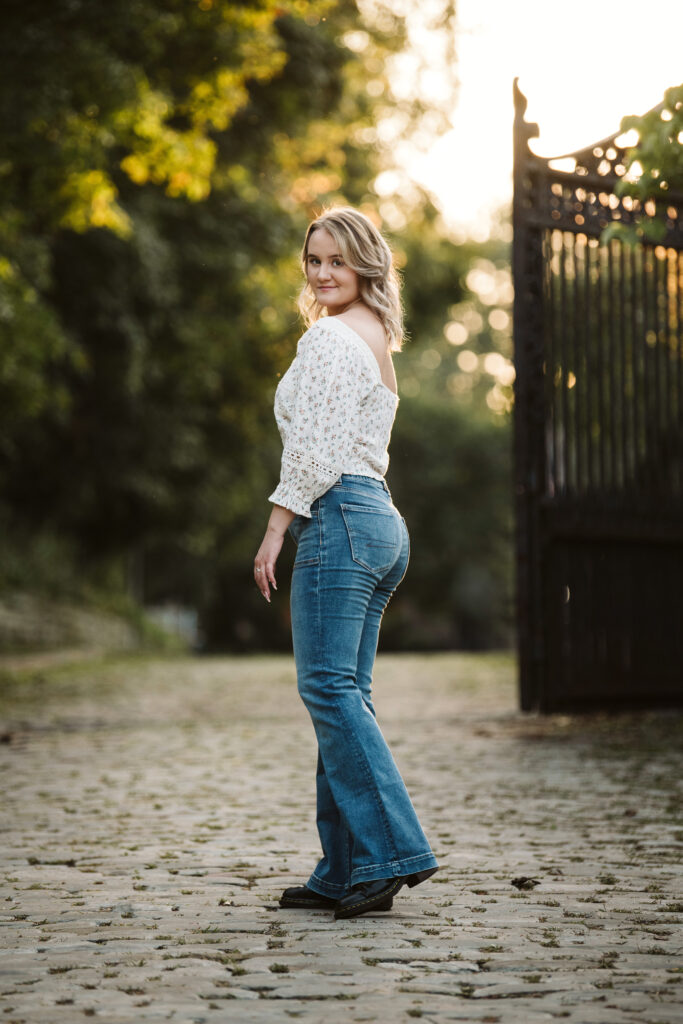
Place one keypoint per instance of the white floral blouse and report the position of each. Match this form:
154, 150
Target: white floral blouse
334, 415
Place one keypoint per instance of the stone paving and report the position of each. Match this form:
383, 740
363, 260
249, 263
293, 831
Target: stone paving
155, 809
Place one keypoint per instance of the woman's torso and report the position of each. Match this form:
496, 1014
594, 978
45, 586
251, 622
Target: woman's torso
366, 451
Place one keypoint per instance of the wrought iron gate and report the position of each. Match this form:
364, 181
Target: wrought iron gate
598, 437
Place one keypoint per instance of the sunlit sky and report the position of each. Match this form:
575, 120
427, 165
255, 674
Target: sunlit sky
582, 67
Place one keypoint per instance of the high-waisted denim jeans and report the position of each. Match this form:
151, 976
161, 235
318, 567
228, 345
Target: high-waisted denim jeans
351, 555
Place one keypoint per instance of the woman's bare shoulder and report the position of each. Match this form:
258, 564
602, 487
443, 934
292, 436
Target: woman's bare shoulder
368, 327
370, 330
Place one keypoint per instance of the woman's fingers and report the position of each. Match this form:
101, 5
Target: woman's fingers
261, 578
265, 578
265, 561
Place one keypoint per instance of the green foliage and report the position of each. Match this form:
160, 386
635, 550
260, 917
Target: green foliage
157, 177
457, 592
25, 389
138, 88
138, 102
455, 381
658, 155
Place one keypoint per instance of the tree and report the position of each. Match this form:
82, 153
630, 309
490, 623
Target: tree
157, 180
455, 382
654, 168
141, 102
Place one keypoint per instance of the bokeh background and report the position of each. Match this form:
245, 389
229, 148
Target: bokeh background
160, 162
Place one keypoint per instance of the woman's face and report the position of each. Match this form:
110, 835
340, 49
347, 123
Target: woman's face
335, 285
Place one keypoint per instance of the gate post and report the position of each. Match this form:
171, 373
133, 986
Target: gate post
527, 274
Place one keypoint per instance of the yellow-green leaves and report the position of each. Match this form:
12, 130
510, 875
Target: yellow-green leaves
89, 199
654, 168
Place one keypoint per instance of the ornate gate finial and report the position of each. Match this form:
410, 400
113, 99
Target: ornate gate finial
524, 130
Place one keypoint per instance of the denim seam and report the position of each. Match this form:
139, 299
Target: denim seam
401, 860
305, 562
363, 761
363, 494
407, 559
348, 858
372, 509
320, 634
337, 888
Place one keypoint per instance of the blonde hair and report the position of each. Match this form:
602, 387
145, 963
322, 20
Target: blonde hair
366, 252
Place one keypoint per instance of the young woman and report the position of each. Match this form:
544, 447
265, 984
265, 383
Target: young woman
335, 408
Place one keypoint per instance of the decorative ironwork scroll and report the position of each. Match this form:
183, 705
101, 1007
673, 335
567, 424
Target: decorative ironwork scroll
598, 331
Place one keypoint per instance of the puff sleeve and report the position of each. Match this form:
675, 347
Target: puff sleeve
317, 409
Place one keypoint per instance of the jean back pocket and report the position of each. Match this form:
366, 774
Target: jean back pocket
374, 536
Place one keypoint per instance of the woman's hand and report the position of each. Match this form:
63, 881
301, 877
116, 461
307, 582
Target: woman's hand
267, 554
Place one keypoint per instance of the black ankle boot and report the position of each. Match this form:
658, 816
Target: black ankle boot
300, 896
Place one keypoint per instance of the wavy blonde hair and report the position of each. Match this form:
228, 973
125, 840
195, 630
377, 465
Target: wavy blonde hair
366, 252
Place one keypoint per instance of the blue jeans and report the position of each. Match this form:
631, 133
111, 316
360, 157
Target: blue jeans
351, 555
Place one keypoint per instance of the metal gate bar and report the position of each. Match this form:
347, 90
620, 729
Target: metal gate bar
598, 437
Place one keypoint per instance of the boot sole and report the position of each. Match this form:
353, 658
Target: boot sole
306, 905
371, 905
368, 906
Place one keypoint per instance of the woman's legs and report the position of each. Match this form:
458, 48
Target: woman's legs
335, 838
368, 827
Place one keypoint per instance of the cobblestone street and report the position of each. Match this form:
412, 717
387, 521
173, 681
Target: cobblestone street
155, 809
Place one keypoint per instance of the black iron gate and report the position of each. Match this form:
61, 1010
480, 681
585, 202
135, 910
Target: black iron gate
598, 437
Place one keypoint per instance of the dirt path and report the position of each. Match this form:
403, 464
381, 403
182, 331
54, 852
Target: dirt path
155, 810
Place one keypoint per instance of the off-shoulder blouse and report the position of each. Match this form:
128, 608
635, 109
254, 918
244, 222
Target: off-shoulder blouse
334, 414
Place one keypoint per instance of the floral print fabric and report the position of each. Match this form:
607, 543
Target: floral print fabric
334, 415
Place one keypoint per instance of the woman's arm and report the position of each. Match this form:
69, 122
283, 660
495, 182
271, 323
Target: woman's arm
266, 556
330, 379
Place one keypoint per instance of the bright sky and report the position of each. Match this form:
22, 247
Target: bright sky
581, 66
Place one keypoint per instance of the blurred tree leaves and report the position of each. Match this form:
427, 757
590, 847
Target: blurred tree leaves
90, 88
451, 454
160, 162
93, 95
655, 164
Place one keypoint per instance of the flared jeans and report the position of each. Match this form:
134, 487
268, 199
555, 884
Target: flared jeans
351, 555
